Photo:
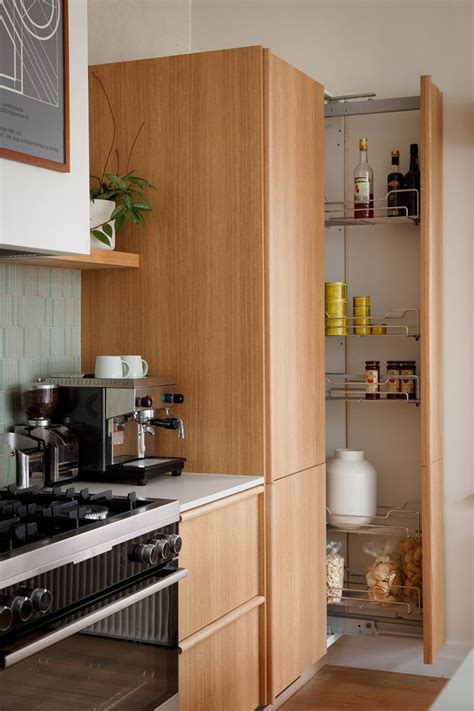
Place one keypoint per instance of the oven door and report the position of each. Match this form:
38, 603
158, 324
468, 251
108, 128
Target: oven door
116, 651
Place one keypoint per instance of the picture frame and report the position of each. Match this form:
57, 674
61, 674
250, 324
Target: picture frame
34, 83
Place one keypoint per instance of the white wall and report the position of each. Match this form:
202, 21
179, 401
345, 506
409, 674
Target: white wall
137, 29
351, 47
42, 208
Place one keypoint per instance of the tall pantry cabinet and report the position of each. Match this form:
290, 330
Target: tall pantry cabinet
229, 294
229, 297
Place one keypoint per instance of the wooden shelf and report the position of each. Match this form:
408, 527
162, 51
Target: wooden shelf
97, 259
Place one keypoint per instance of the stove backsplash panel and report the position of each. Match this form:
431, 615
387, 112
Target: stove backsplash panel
40, 318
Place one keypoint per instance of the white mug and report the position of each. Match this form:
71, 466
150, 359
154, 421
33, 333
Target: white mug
138, 367
111, 367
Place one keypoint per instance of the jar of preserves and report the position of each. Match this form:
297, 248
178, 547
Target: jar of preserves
372, 380
393, 383
408, 385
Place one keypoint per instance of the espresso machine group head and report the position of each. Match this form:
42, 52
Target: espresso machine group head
111, 419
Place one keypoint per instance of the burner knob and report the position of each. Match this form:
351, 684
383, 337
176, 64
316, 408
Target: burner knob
6, 618
175, 543
22, 608
144, 553
41, 599
163, 549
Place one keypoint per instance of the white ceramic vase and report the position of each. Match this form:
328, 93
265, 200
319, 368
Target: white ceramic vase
100, 212
351, 489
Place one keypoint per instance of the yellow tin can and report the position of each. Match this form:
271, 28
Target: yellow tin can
361, 301
361, 310
336, 331
379, 329
362, 326
336, 307
335, 290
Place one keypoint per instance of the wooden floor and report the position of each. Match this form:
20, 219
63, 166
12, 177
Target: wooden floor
347, 689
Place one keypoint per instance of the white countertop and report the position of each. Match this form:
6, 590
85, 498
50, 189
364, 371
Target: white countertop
190, 489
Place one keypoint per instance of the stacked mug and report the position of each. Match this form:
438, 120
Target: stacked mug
336, 308
361, 305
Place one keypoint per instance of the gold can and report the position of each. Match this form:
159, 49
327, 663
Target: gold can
362, 327
335, 290
361, 310
379, 329
361, 301
336, 307
336, 331
336, 322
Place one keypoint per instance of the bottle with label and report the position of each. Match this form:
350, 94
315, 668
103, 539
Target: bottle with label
372, 380
412, 180
394, 182
393, 383
408, 385
363, 184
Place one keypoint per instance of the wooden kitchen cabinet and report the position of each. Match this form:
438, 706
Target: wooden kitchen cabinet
229, 293
224, 555
220, 669
297, 565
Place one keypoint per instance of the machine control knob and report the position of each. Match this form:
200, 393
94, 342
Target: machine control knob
152, 552
175, 543
22, 607
41, 599
146, 401
174, 398
6, 618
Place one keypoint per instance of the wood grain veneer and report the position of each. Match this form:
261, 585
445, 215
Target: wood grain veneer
431, 350
195, 305
296, 554
294, 269
222, 554
230, 682
97, 259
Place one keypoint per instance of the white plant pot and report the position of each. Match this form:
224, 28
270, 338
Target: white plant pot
351, 489
100, 212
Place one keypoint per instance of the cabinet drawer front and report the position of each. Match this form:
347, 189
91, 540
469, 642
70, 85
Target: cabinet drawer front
211, 678
221, 553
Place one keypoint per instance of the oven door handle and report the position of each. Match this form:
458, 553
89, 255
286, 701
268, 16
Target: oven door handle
78, 625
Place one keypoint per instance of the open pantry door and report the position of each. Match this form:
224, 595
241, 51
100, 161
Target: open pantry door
431, 232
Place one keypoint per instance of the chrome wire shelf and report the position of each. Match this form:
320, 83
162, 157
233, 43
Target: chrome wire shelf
409, 330
352, 388
341, 213
383, 523
358, 599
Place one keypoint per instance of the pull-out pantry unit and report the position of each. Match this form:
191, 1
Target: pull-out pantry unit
395, 259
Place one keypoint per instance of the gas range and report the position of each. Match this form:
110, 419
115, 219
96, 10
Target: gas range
41, 529
88, 599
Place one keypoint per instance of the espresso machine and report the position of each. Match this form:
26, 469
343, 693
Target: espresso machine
112, 419
40, 401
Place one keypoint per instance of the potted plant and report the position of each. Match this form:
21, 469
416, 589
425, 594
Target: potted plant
116, 197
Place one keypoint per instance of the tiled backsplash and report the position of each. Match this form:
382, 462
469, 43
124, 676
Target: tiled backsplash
39, 330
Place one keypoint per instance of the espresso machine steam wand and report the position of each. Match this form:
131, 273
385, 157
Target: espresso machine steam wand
147, 422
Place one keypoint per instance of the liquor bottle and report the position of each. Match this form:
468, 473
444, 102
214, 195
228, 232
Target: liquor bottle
395, 181
412, 180
363, 184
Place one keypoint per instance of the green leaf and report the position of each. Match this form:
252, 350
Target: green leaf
134, 217
141, 182
128, 200
115, 180
119, 223
119, 210
142, 208
141, 199
101, 237
107, 228
139, 216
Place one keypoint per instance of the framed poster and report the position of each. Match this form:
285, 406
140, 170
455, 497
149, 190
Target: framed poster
34, 82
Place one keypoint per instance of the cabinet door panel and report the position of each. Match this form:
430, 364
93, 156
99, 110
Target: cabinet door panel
194, 308
297, 578
431, 346
221, 673
222, 552
294, 282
